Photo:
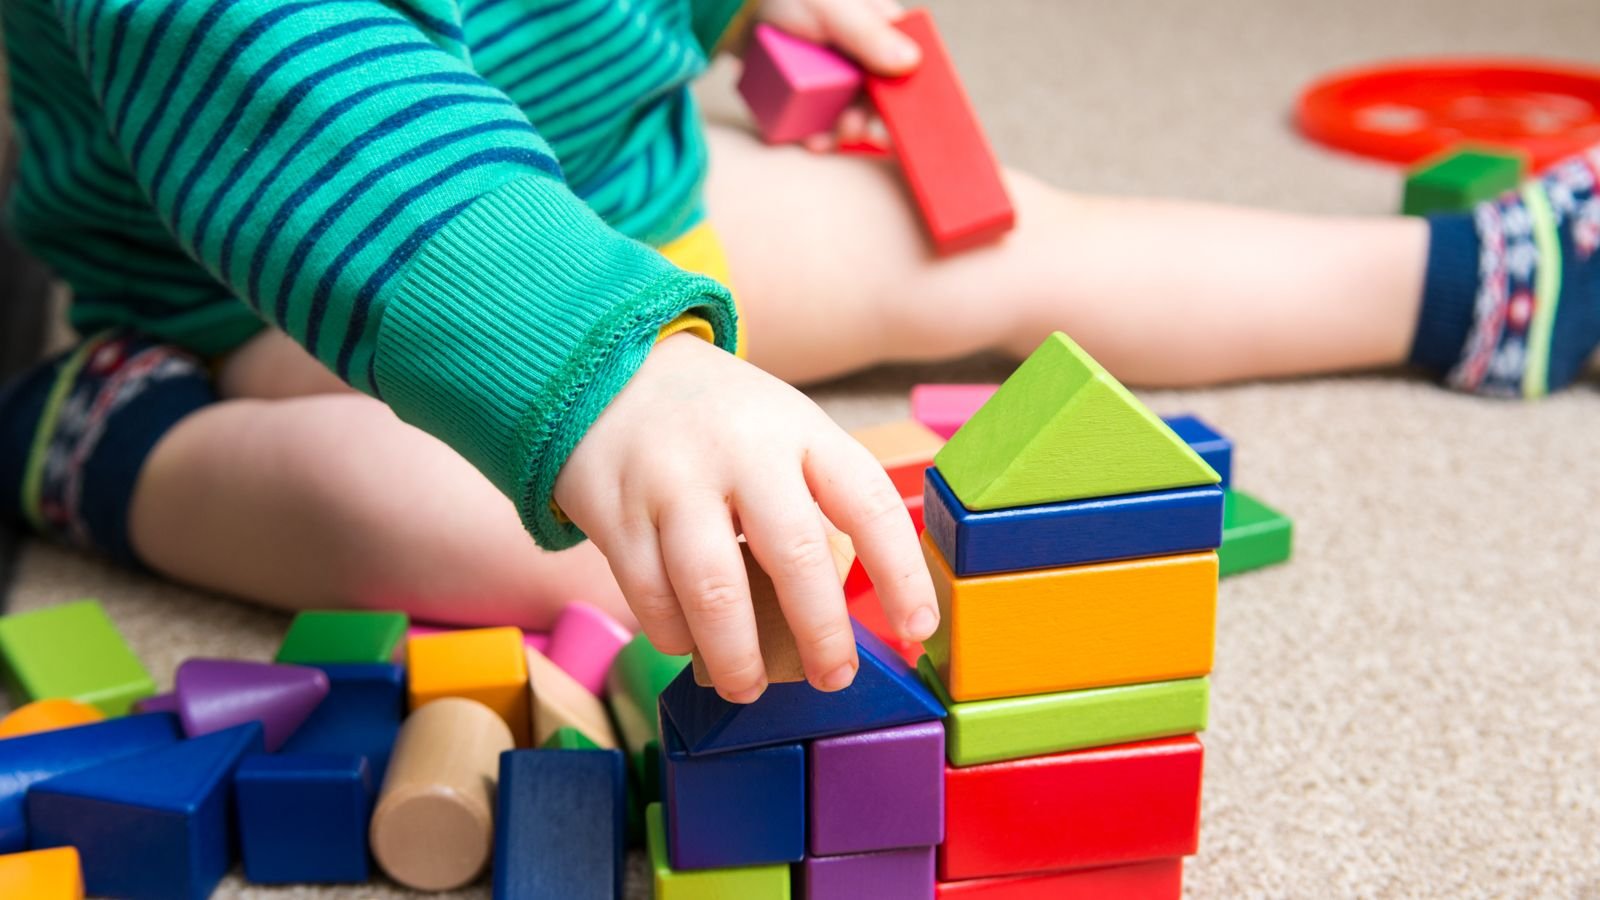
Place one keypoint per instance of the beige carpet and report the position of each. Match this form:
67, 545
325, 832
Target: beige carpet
1412, 708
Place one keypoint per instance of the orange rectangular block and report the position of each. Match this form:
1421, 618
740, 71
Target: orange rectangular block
1042, 631
904, 449
483, 664
53, 874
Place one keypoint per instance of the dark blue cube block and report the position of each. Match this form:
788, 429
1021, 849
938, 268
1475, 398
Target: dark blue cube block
303, 817
740, 808
559, 829
361, 715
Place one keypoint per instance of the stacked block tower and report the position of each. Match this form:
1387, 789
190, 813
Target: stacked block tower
1072, 539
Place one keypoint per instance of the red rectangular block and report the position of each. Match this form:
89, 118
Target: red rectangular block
947, 160
1160, 879
1099, 807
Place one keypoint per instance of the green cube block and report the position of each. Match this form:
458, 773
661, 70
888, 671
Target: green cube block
1457, 180
767, 882
1253, 534
986, 731
72, 651
330, 637
568, 739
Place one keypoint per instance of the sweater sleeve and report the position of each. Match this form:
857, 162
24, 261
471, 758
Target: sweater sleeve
342, 169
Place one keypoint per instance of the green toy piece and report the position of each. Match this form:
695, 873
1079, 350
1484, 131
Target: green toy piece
568, 739
1460, 178
768, 882
331, 637
1253, 534
986, 731
1061, 428
638, 675
72, 651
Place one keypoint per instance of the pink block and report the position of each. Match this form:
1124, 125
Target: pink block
584, 641
538, 640
946, 407
795, 88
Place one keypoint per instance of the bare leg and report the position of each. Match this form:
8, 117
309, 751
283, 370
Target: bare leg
833, 275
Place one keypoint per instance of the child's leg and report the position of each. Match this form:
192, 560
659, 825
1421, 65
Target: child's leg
833, 274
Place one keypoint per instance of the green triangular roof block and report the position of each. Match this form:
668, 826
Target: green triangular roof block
1061, 428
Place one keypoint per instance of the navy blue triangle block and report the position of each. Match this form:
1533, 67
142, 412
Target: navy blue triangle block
886, 692
157, 825
32, 758
360, 716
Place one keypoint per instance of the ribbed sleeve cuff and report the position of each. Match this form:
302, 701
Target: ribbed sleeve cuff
514, 327
1449, 293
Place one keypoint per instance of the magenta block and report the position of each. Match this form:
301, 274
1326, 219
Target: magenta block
584, 641
876, 790
946, 407
213, 694
795, 88
887, 875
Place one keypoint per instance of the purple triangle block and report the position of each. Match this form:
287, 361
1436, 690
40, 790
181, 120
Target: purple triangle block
214, 694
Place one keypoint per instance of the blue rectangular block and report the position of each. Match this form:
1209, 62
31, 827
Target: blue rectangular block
303, 817
558, 831
1073, 533
360, 716
1215, 449
732, 809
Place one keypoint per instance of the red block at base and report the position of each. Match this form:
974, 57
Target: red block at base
942, 149
1074, 810
1160, 879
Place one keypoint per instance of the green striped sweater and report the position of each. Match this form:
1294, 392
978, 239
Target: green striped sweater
448, 202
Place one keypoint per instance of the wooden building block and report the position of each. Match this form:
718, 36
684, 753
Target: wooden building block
1216, 450
303, 817
433, 827
732, 809
1253, 535
1460, 178
904, 874
779, 652
942, 149
559, 825
213, 694
1157, 879
584, 641
488, 665
156, 825
1055, 630
1073, 532
985, 731
1061, 428
876, 790
72, 651
904, 449
568, 738
360, 716
638, 676
886, 692
767, 882
538, 640
31, 758
342, 636
53, 874
944, 408
868, 611
1074, 810
795, 88
560, 702
48, 715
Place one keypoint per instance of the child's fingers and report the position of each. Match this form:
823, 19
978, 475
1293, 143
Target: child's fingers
635, 560
701, 553
856, 495
868, 36
787, 537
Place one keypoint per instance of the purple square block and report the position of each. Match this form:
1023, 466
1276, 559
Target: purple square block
877, 790
889, 875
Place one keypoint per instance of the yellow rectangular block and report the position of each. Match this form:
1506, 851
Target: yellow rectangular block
488, 665
1020, 633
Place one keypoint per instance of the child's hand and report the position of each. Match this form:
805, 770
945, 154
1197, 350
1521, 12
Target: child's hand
700, 446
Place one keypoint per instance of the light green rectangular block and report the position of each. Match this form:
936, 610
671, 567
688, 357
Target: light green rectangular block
1253, 534
769, 882
986, 731
72, 651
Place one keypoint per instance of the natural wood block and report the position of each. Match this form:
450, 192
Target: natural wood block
768, 882
48, 715
72, 651
559, 701
1062, 629
1460, 178
985, 731
1253, 534
433, 827
483, 664
1061, 428
904, 449
52, 874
